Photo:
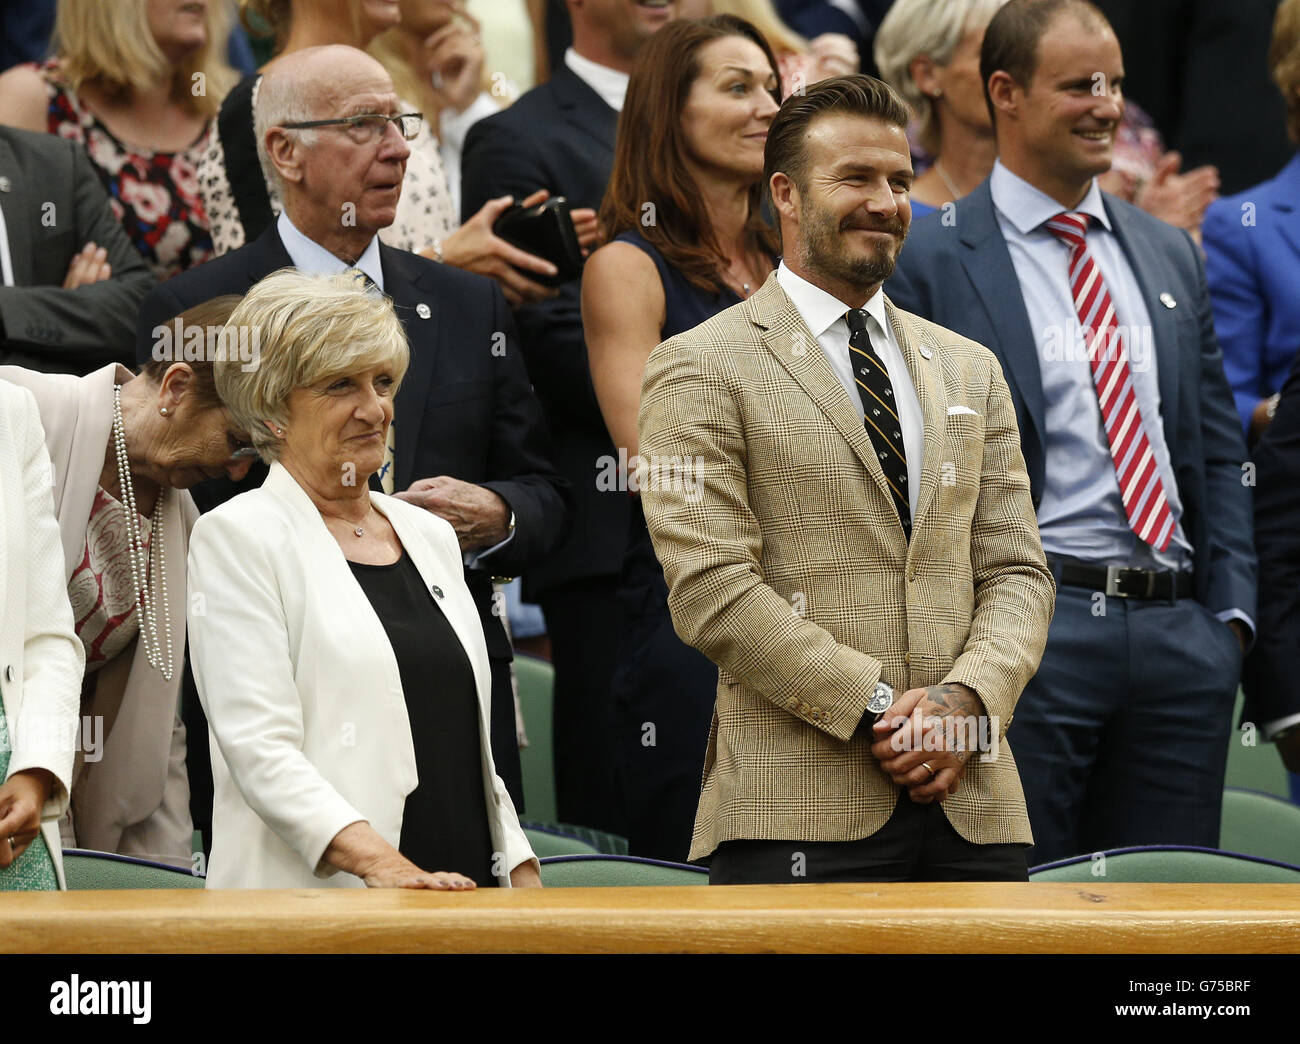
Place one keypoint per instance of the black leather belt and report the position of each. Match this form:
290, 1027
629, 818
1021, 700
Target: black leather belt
1146, 585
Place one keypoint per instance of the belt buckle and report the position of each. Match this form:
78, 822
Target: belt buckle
1115, 575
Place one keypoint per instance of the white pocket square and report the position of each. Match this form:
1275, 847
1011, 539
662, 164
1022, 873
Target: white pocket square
957, 411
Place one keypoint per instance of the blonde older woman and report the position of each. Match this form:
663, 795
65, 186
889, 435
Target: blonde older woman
337, 651
40, 657
929, 51
125, 449
137, 82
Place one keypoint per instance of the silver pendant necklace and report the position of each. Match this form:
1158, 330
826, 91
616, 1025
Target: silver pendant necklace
140, 557
943, 175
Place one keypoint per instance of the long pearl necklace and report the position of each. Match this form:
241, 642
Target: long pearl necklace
140, 557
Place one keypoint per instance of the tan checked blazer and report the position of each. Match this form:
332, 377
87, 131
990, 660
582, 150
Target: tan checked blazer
788, 567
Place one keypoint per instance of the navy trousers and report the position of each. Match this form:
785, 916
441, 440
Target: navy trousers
1122, 736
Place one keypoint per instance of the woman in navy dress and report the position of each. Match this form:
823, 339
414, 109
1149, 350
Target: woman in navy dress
685, 238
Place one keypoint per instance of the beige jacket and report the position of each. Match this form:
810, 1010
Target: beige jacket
787, 566
135, 799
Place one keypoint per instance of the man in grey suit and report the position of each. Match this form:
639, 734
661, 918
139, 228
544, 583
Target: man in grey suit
71, 283
1100, 317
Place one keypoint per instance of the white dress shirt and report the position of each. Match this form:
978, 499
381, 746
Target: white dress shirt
310, 257
6, 265
824, 317
609, 83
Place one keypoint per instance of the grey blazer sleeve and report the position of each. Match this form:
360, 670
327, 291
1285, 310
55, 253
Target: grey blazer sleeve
91, 325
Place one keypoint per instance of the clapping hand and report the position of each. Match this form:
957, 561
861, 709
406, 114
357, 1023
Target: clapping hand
89, 265
454, 59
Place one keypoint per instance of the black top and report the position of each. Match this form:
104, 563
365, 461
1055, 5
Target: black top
445, 822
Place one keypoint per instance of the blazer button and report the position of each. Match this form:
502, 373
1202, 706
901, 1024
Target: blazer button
907, 659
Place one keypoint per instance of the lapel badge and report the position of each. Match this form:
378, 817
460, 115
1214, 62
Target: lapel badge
437, 591
422, 310
925, 352
1167, 299
5, 185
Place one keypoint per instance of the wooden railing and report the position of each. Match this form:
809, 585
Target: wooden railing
843, 918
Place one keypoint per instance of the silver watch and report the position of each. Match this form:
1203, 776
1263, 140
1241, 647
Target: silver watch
882, 698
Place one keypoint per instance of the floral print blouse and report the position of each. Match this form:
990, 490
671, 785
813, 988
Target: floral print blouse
155, 195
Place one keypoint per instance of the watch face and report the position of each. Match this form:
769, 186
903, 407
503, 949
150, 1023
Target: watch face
881, 700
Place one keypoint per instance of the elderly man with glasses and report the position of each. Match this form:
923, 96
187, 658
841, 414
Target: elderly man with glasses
468, 441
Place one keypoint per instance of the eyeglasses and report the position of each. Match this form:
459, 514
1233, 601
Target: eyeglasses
366, 128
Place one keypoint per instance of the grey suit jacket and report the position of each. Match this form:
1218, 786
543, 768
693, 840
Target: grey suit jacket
53, 205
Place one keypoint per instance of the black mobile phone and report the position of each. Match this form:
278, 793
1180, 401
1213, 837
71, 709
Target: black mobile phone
545, 230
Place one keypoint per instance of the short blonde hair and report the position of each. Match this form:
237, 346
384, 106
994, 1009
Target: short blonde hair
108, 42
930, 27
1284, 62
307, 329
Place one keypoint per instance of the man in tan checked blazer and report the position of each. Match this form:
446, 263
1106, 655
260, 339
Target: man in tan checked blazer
846, 506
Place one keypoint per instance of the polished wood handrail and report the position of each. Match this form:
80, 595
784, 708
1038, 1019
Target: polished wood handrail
839, 918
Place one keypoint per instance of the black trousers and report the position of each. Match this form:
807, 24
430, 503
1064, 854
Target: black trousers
917, 843
583, 621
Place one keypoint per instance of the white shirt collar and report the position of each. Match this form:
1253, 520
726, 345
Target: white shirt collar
821, 310
310, 257
1027, 207
609, 83
6, 264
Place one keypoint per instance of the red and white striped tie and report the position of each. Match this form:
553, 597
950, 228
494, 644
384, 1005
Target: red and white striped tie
1140, 487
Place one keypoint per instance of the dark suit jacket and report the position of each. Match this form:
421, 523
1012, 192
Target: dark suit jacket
960, 275
1271, 690
463, 410
55, 204
559, 136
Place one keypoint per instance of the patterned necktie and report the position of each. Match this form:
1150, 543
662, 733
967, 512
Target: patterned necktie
1140, 488
390, 446
880, 412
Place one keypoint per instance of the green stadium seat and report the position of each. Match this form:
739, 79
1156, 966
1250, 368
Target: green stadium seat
1170, 864
551, 842
605, 871
1255, 767
536, 680
1260, 825
85, 870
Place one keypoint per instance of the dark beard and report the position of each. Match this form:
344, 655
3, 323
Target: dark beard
824, 253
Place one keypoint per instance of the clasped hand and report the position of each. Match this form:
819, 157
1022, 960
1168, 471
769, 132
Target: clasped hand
480, 517
913, 733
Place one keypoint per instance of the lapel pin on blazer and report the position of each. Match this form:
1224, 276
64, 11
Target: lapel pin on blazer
5, 185
437, 591
422, 310
1167, 299
925, 352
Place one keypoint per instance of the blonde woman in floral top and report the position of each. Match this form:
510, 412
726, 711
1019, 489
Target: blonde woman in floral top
137, 82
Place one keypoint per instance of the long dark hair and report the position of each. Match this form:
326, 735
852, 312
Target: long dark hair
650, 155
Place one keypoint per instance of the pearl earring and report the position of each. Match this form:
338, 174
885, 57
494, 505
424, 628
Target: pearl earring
279, 431
163, 410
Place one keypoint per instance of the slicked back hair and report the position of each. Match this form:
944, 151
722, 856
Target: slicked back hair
857, 95
1012, 38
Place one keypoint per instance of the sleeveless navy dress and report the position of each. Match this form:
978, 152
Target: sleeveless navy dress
663, 689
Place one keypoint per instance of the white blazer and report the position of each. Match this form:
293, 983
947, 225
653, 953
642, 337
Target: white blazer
302, 690
135, 800
41, 658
